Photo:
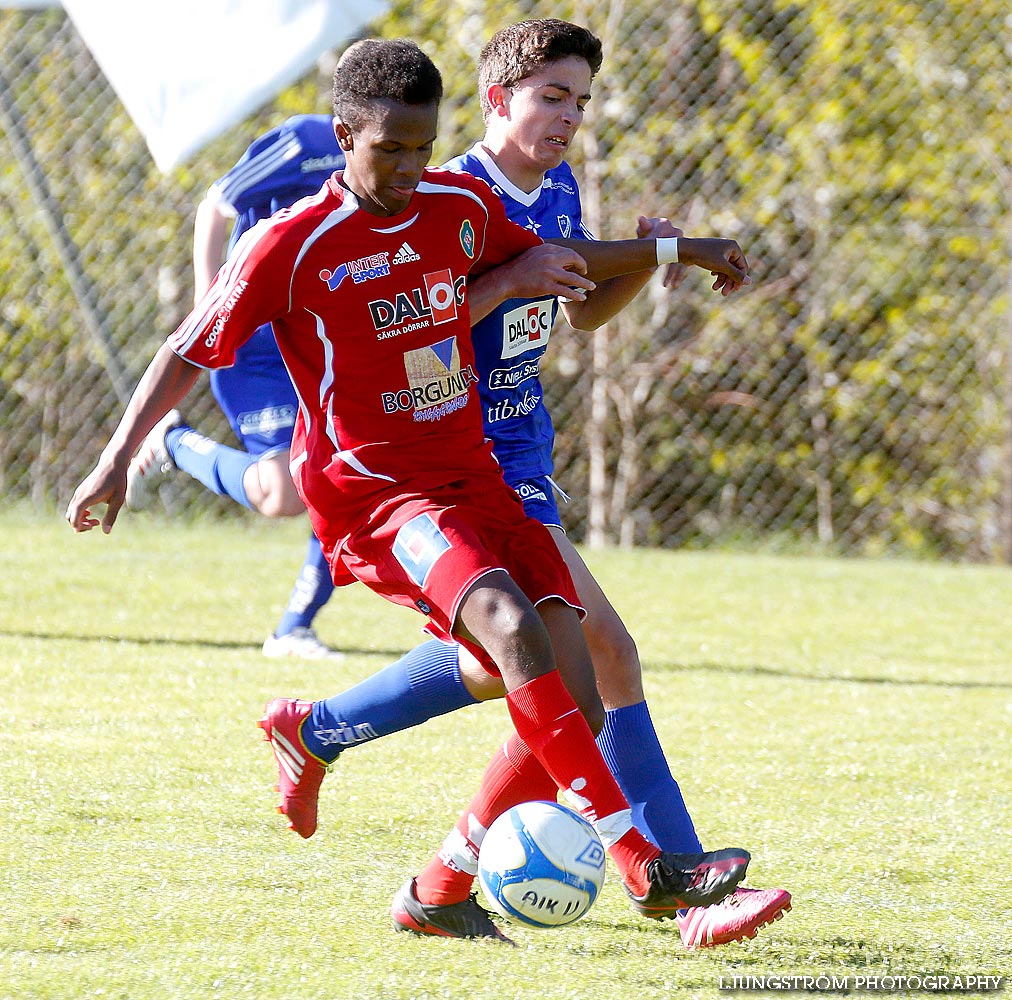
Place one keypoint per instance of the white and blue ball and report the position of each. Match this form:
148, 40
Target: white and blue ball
541, 864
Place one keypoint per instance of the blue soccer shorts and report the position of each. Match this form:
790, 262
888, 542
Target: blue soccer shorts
538, 495
257, 396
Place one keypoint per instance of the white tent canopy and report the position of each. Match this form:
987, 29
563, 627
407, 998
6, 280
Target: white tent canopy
187, 70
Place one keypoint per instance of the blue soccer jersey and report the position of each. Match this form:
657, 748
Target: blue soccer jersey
283, 165
510, 341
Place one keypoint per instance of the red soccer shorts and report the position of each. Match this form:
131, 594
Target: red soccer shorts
426, 551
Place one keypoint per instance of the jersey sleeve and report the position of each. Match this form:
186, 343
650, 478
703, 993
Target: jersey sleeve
245, 294
256, 171
504, 239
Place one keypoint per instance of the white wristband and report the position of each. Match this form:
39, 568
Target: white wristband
667, 249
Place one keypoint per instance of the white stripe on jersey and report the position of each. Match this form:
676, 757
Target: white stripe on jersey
398, 228
328, 381
349, 457
427, 187
255, 169
348, 206
192, 326
328, 359
300, 459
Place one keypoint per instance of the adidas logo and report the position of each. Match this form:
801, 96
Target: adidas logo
405, 255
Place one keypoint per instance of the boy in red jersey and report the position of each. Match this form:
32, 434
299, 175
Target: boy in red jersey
389, 453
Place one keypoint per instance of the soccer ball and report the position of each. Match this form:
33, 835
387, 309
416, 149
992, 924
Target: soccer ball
541, 864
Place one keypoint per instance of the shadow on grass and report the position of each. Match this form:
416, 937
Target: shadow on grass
763, 671
755, 670
180, 642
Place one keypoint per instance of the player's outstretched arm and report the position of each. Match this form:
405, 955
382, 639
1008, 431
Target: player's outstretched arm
167, 380
543, 270
622, 267
710, 253
613, 294
648, 227
722, 258
611, 258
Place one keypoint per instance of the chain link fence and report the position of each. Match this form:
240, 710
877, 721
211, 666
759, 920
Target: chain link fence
856, 398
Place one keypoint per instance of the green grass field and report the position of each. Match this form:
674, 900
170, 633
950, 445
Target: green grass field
847, 721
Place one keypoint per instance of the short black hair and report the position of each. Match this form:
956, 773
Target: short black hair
524, 48
383, 69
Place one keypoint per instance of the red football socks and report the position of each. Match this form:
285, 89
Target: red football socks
554, 748
513, 775
548, 721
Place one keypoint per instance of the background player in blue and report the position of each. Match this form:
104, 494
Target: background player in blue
256, 394
535, 80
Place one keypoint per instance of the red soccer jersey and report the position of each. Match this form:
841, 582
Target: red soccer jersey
371, 317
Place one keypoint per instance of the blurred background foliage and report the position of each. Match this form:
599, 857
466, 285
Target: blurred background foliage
857, 398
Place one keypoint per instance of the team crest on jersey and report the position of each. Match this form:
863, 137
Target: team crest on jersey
419, 543
467, 238
565, 225
437, 384
376, 265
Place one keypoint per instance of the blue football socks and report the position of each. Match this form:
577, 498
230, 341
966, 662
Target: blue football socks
312, 590
422, 684
223, 471
220, 468
629, 745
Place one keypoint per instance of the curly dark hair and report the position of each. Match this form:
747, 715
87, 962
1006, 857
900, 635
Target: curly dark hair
521, 49
383, 69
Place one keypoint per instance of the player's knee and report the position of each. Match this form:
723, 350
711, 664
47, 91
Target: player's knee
511, 631
270, 489
519, 625
279, 505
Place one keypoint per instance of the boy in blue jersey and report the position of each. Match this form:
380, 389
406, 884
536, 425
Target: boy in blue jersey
285, 164
535, 80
